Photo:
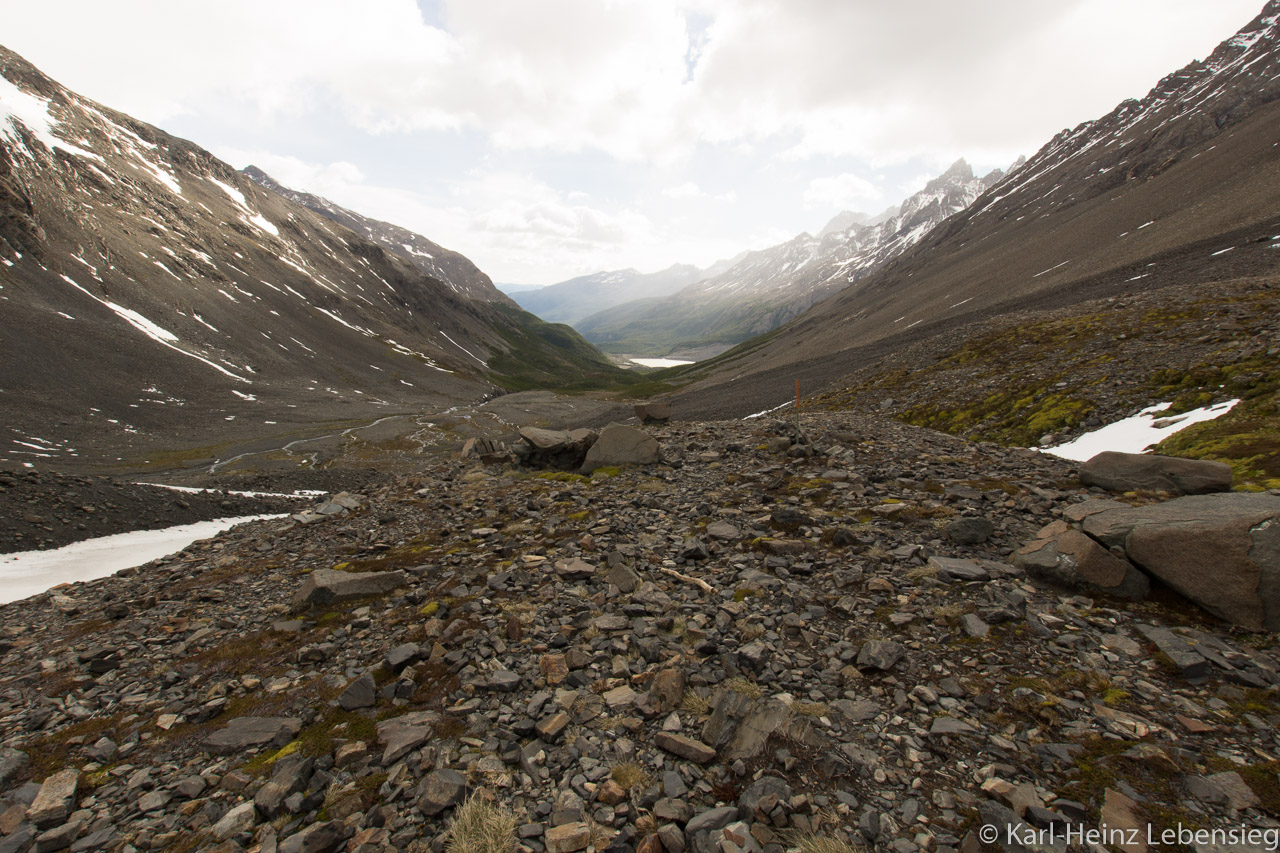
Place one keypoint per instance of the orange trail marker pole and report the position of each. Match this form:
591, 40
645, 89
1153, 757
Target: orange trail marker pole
797, 410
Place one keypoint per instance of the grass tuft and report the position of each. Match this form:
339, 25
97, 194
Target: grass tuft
479, 826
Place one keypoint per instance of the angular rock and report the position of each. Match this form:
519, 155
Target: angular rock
401, 735
11, 763
952, 568
326, 586
622, 445
575, 570
289, 777
1221, 551
567, 838
1127, 472
685, 747
56, 799
711, 820
326, 837
405, 654
441, 789
654, 411
242, 818
970, 531
1188, 661
880, 654
360, 693
244, 732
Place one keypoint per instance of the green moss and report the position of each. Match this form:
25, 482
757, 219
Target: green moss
562, 477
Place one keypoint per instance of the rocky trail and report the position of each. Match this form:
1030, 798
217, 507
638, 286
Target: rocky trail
758, 641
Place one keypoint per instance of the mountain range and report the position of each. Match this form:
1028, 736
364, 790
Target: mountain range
1177, 189
763, 289
151, 290
570, 301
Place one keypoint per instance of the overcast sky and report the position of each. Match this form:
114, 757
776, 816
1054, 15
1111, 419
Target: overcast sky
545, 139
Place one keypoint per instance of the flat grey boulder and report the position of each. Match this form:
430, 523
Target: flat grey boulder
326, 586
1127, 472
622, 445
1221, 551
246, 732
546, 439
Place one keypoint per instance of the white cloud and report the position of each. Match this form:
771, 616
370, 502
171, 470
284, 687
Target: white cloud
572, 75
560, 136
842, 192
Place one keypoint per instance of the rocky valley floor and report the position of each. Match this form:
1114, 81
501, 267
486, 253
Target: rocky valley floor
755, 642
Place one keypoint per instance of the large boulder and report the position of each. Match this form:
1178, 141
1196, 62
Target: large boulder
326, 586
654, 411
245, 733
622, 445
1063, 555
1221, 551
553, 448
1127, 472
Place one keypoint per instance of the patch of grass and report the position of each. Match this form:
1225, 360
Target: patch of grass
738, 684
562, 477
692, 703
815, 843
480, 826
629, 775
810, 709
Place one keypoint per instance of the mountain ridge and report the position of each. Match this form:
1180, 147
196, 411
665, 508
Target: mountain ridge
768, 287
166, 297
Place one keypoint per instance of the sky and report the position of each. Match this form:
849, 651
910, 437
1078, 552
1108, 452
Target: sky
547, 139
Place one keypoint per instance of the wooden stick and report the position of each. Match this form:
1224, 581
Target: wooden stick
706, 587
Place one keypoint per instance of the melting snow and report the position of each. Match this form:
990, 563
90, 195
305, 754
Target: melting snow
1136, 434
17, 107
29, 573
150, 329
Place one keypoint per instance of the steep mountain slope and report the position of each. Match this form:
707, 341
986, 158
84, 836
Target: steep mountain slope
454, 269
155, 297
1177, 189
572, 300
767, 288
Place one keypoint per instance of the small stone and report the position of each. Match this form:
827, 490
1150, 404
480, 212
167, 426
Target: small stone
575, 570
240, 819
567, 838
441, 790
550, 728
685, 747
880, 654
360, 693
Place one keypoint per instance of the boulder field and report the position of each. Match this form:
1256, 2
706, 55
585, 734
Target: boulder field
757, 638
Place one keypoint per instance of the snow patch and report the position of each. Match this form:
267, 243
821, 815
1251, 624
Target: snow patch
1138, 433
29, 573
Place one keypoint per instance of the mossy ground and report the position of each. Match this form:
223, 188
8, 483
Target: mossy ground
1054, 375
